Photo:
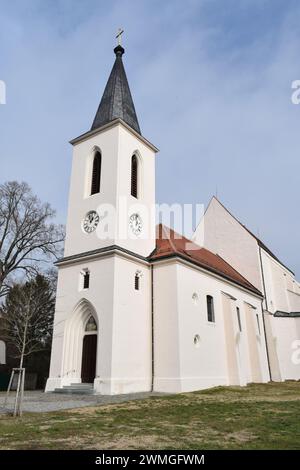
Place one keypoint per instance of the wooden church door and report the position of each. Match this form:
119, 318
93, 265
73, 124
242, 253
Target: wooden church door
89, 354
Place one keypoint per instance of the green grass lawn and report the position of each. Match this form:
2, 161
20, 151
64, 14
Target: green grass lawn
254, 417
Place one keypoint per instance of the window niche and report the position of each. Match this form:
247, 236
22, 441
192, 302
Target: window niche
134, 176
85, 279
96, 173
137, 280
91, 325
210, 309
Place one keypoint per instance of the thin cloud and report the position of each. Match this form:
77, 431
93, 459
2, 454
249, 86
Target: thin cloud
211, 82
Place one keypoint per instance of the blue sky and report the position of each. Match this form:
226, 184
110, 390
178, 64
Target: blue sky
211, 82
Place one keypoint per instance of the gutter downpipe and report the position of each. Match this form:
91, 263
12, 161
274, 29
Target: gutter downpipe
263, 315
152, 328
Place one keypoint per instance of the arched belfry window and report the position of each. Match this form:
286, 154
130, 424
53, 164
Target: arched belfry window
134, 176
91, 324
96, 174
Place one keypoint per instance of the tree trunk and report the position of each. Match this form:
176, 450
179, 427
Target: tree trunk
21, 378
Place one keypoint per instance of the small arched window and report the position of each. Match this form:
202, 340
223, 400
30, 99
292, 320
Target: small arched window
134, 176
91, 324
96, 174
86, 279
137, 281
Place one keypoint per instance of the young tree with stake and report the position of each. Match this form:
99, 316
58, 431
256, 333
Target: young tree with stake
27, 317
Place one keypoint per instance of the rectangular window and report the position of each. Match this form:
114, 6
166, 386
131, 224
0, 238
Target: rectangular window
258, 324
86, 280
210, 309
136, 282
239, 318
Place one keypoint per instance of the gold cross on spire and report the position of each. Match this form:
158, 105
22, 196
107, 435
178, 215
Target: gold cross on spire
118, 36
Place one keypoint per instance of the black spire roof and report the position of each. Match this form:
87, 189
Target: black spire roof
117, 101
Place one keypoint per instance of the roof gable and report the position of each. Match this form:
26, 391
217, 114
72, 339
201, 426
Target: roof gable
260, 243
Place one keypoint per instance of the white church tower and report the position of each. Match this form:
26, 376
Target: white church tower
102, 327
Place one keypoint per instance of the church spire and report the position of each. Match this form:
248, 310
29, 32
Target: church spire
117, 101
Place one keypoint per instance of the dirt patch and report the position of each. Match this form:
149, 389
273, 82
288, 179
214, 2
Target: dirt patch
128, 443
240, 436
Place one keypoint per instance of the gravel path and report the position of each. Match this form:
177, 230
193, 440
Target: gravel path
40, 402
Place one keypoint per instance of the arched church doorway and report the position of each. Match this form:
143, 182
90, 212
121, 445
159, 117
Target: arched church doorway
89, 351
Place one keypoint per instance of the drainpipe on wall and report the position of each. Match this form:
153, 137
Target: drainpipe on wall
152, 328
263, 315
263, 277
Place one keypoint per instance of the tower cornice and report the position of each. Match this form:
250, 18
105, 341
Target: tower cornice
100, 253
115, 122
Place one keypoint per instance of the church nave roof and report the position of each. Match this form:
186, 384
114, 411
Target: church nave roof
171, 244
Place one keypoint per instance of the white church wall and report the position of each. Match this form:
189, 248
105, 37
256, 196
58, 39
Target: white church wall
202, 365
132, 329
181, 315
256, 343
275, 283
294, 300
65, 367
117, 145
232, 340
225, 236
272, 349
144, 204
284, 336
282, 289
282, 293
213, 368
80, 200
166, 329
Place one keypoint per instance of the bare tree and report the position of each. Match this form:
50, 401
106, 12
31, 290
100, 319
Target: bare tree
27, 316
27, 235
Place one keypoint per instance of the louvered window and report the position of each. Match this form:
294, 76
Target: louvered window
96, 175
134, 176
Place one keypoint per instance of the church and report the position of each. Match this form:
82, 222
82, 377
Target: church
140, 307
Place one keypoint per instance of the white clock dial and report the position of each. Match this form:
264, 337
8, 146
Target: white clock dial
136, 224
90, 221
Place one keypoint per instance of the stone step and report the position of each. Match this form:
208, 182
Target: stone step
75, 391
76, 388
81, 386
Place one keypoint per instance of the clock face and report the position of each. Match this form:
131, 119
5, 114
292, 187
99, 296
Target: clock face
136, 224
90, 221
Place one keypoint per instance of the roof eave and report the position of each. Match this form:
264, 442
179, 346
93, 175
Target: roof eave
204, 267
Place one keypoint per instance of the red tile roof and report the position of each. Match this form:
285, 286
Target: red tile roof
171, 244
